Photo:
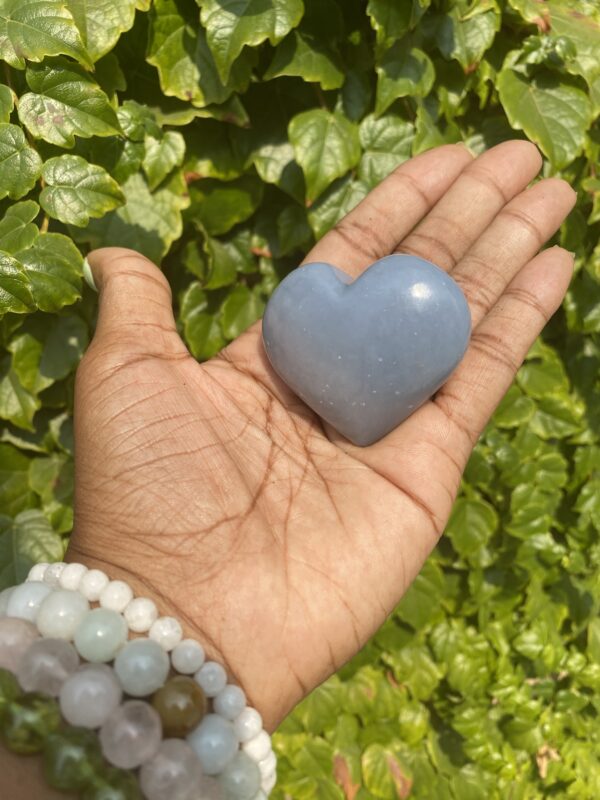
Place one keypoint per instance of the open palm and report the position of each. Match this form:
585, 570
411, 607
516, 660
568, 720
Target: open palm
214, 489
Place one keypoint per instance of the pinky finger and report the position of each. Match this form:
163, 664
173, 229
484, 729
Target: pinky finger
502, 339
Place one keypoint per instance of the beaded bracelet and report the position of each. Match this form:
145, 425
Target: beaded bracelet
216, 747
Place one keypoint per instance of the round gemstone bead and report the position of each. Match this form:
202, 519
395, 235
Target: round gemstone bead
26, 599
71, 759
60, 614
131, 735
214, 742
90, 695
37, 572
248, 724
4, 598
212, 678
92, 584
140, 614
241, 778
52, 573
46, 665
258, 747
9, 688
167, 632
16, 635
116, 596
268, 783
142, 667
181, 704
113, 784
268, 765
188, 656
70, 577
174, 772
100, 635
230, 702
260, 795
25, 724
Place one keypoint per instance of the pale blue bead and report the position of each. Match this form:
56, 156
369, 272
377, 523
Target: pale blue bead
100, 635
142, 667
215, 743
212, 678
60, 614
4, 598
230, 702
241, 778
26, 599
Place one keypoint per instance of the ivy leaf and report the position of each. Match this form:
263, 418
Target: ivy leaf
201, 326
101, 22
52, 479
385, 773
34, 29
15, 289
17, 231
20, 164
306, 57
76, 190
16, 403
554, 112
7, 102
241, 308
466, 36
54, 267
148, 222
211, 151
403, 71
65, 102
227, 257
232, 25
341, 197
470, 527
391, 19
386, 143
177, 47
326, 146
162, 156
15, 495
25, 541
218, 206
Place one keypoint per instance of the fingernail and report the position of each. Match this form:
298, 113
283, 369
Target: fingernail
88, 275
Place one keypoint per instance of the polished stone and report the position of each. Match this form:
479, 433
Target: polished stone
131, 735
46, 665
16, 635
142, 667
173, 773
214, 742
181, 704
90, 695
100, 635
365, 354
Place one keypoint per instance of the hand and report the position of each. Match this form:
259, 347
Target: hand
214, 489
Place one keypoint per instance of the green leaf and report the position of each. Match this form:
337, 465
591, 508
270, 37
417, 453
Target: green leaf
466, 35
7, 102
326, 146
341, 197
15, 495
17, 232
65, 102
101, 22
16, 403
232, 25
15, 289
274, 162
514, 410
471, 526
52, 479
76, 190
219, 206
593, 640
148, 222
386, 772
392, 19
25, 541
177, 47
304, 56
162, 156
20, 164
227, 257
241, 309
554, 112
386, 143
403, 71
421, 602
53, 266
212, 151
201, 325
34, 29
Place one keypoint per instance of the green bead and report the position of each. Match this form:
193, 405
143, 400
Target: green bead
27, 722
113, 784
72, 757
9, 688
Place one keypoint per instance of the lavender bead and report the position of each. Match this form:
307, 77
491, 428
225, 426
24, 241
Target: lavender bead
131, 735
174, 772
90, 695
16, 636
46, 665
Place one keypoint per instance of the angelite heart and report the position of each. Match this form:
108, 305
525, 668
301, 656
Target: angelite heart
365, 354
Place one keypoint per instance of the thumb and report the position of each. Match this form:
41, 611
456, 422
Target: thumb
135, 302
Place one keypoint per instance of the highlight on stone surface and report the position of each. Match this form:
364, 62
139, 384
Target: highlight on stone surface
365, 354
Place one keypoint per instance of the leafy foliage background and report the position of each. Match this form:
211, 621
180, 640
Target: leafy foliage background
221, 139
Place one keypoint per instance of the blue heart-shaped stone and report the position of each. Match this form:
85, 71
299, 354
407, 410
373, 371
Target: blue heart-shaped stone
365, 354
